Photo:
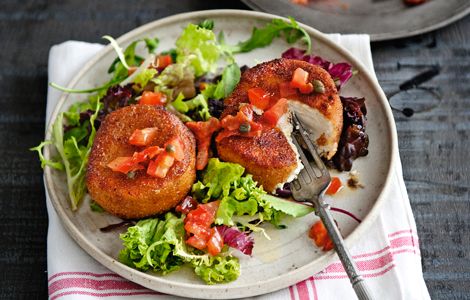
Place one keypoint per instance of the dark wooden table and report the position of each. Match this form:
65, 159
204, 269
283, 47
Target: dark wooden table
433, 142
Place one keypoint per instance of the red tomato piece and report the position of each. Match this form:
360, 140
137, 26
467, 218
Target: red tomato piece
124, 165
160, 166
143, 137
203, 132
271, 116
320, 236
147, 153
204, 214
259, 98
299, 78
306, 89
196, 242
174, 148
215, 242
211, 208
164, 61
231, 124
152, 98
285, 90
334, 186
197, 229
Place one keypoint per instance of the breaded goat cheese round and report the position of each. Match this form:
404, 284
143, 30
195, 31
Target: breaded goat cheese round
271, 157
139, 195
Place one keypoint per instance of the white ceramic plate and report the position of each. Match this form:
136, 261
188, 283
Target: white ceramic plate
289, 256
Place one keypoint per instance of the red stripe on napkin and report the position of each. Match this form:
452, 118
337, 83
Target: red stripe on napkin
87, 283
149, 292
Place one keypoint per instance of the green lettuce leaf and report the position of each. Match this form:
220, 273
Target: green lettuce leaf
291, 208
199, 46
47, 162
151, 44
158, 245
228, 82
229, 207
198, 107
206, 24
218, 269
217, 180
95, 207
262, 37
119, 70
74, 156
144, 77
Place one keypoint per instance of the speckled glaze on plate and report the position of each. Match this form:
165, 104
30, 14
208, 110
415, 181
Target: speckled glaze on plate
289, 256
381, 19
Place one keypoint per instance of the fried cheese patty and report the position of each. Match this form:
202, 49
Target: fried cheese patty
142, 195
271, 157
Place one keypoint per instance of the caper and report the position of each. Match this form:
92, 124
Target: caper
131, 175
244, 128
170, 148
318, 86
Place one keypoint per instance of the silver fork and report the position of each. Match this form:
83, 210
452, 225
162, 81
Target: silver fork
310, 186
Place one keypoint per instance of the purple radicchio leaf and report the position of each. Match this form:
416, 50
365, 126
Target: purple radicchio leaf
116, 97
340, 72
284, 192
237, 239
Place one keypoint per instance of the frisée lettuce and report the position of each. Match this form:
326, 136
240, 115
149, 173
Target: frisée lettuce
157, 244
200, 46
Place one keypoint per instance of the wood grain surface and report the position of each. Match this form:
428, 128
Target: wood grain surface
434, 145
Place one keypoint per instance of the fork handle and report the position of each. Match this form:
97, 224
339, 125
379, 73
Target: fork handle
358, 283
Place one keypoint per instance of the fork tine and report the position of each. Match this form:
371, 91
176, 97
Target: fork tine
311, 147
310, 173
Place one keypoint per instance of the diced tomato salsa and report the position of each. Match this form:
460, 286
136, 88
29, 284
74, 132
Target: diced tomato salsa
152, 98
203, 132
259, 98
334, 186
198, 225
320, 236
159, 160
143, 137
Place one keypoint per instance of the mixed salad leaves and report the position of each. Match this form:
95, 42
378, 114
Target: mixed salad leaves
225, 204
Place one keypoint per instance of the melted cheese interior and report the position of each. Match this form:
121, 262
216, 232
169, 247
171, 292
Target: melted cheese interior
317, 125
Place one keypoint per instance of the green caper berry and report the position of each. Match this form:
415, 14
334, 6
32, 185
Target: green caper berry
131, 175
244, 128
318, 86
170, 148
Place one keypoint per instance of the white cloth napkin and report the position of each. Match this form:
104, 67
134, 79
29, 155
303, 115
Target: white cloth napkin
389, 256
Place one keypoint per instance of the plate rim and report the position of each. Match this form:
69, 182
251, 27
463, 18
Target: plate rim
388, 36
221, 291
